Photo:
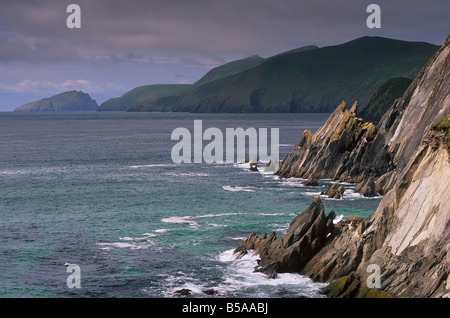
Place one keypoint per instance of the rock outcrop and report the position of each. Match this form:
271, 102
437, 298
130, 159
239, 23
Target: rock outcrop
336, 191
408, 236
305, 235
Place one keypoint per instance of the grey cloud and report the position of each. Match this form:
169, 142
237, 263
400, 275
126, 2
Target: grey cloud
13, 48
210, 27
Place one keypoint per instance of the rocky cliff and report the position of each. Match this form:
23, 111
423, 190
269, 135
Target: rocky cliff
408, 237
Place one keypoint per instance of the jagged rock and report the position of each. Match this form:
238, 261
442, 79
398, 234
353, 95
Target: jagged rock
334, 192
346, 149
367, 188
305, 235
311, 182
408, 235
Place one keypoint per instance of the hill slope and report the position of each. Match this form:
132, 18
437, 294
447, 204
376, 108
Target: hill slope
67, 101
383, 98
230, 68
139, 94
313, 80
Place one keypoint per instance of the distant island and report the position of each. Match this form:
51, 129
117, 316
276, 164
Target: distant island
67, 101
308, 79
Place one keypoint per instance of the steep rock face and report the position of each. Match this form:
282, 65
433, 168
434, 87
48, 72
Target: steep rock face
384, 97
348, 149
408, 237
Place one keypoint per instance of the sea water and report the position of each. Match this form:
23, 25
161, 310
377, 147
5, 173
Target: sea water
100, 190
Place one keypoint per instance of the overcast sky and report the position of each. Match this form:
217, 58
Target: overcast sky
124, 44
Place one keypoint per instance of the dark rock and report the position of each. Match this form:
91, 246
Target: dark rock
306, 234
253, 166
335, 192
367, 188
183, 291
210, 291
311, 182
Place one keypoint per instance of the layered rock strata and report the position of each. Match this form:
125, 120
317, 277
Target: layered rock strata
408, 236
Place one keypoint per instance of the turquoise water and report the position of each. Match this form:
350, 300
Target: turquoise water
100, 190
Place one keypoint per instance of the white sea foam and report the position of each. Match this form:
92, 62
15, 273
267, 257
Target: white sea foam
338, 218
180, 219
238, 189
355, 195
187, 174
155, 165
133, 246
286, 145
240, 275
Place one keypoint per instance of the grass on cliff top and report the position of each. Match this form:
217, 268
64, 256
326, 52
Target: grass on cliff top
444, 125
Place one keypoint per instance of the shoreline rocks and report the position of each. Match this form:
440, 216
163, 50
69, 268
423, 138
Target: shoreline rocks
306, 234
406, 159
336, 191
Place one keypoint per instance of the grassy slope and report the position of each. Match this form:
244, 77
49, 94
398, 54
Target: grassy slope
383, 98
313, 80
230, 68
139, 94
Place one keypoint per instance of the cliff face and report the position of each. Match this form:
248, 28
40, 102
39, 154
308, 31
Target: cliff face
348, 149
408, 237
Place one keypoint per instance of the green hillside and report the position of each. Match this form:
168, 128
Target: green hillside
140, 94
67, 101
160, 102
313, 80
384, 97
230, 68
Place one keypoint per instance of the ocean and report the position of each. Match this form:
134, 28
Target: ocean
101, 191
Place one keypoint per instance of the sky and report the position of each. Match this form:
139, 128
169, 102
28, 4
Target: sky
125, 44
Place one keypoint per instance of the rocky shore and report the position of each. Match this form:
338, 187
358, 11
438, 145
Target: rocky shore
405, 158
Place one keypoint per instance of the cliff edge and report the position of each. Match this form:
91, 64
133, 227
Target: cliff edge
408, 237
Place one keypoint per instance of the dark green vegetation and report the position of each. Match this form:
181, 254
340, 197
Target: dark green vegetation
315, 80
148, 94
309, 79
67, 101
383, 98
444, 126
230, 69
